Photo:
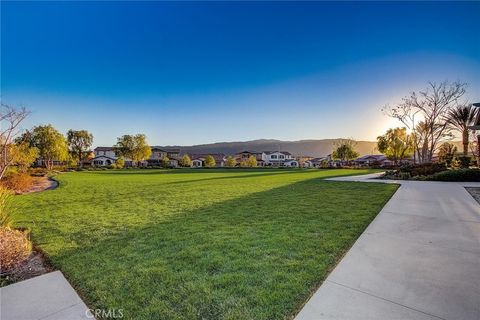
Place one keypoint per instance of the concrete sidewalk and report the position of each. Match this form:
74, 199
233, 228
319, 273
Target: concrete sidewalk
418, 259
47, 297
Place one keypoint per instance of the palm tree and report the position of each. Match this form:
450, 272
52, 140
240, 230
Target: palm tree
460, 119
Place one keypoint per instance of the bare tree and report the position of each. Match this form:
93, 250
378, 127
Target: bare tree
10, 119
429, 108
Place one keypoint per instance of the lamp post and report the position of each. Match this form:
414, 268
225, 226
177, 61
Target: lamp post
476, 126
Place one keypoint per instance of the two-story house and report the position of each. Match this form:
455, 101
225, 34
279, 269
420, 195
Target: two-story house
159, 153
104, 156
244, 155
280, 159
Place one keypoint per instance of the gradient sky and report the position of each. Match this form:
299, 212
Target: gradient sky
189, 73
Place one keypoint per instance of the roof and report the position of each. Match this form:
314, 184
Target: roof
104, 149
375, 157
282, 152
251, 152
317, 159
168, 150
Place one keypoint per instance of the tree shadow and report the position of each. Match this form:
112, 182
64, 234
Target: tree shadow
193, 170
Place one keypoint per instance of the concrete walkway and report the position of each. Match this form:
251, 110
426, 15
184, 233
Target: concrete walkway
418, 259
47, 297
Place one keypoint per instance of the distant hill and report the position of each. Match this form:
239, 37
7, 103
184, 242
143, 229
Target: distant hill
315, 148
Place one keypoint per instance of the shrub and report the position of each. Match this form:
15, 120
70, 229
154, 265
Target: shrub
465, 175
464, 161
18, 182
424, 169
14, 248
120, 163
186, 161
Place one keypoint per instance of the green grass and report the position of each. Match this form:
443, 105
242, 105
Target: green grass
207, 244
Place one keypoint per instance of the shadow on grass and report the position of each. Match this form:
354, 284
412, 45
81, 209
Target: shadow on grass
253, 257
192, 170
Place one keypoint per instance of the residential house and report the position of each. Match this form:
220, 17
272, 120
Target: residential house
198, 160
244, 155
302, 159
326, 161
269, 158
280, 159
104, 156
375, 160
315, 162
159, 153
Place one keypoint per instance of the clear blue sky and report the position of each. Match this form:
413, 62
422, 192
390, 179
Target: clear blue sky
188, 73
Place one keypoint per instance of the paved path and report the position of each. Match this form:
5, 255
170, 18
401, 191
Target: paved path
418, 259
47, 297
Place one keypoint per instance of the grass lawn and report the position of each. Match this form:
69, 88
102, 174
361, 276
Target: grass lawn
199, 244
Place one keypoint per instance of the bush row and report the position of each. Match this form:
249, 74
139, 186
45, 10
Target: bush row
464, 175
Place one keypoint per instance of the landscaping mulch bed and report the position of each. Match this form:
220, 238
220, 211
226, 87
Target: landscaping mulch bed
475, 192
35, 265
40, 184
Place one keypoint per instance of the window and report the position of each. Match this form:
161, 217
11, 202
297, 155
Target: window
273, 156
281, 156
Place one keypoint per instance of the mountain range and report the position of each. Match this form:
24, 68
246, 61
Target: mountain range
314, 148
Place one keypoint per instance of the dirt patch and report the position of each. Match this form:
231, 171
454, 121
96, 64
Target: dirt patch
40, 184
35, 265
475, 192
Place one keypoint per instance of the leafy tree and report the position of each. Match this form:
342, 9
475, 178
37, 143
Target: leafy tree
165, 161
120, 163
10, 120
210, 161
345, 150
79, 141
431, 106
186, 161
251, 162
72, 161
133, 147
22, 155
50, 143
446, 153
396, 144
231, 162
460, 119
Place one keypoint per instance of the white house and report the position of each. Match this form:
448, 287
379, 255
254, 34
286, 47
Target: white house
197, 163
279, 159
104, 156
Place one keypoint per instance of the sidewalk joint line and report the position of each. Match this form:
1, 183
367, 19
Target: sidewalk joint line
375, 296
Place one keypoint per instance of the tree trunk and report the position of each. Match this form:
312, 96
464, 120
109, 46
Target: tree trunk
465, 142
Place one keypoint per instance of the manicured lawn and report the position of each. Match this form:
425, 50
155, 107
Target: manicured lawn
206, 244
